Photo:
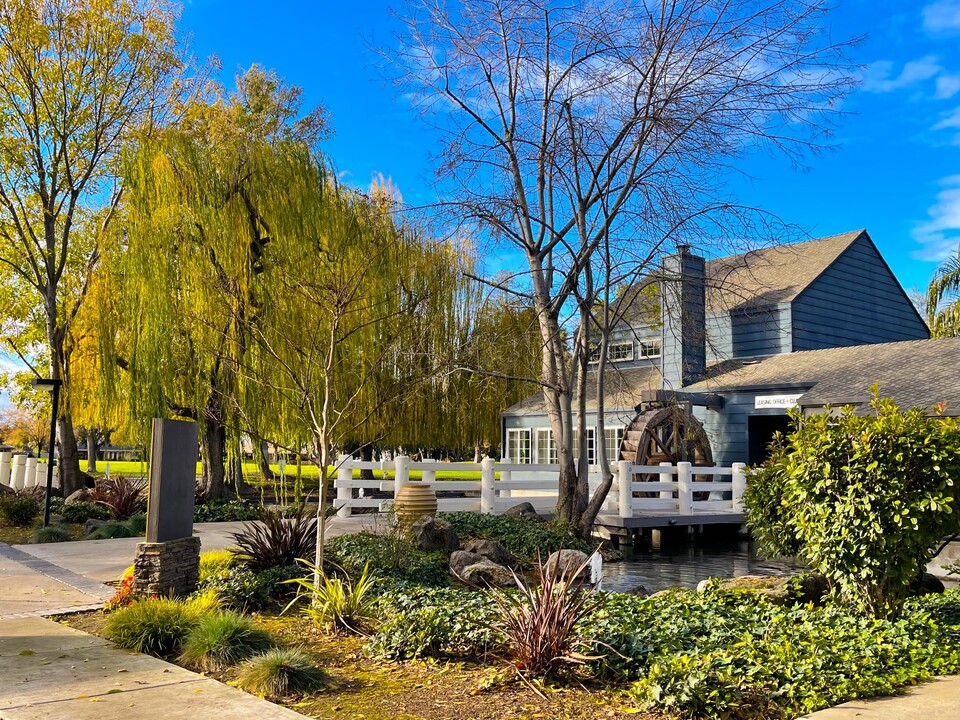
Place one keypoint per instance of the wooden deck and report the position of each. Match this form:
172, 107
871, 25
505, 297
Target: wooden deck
668, 520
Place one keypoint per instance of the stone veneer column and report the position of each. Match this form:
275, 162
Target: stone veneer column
167, 569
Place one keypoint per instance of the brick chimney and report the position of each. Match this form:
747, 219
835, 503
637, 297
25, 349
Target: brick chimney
683, 314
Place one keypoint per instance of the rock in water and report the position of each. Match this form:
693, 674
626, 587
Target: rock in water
525, 511
492, 551
434, 535
460, 560
567, 561
486, 573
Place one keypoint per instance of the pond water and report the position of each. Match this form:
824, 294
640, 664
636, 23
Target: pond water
686, 563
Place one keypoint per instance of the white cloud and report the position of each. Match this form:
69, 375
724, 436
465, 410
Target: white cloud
879, 76
940, 233
942, 16
947, 86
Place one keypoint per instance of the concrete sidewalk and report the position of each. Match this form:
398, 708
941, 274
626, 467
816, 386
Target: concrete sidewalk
52, 672
31, 586
936, 700
105, 560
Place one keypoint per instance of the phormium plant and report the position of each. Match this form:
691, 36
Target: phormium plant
276, 541
121, 496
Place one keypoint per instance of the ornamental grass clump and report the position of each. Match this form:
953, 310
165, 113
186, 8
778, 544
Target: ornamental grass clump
862, 499
538, 620
215, 561
335, 603
156, 626
222, 638
280, 672
51, 534
121, 496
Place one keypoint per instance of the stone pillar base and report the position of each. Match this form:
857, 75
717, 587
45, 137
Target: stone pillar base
167, 569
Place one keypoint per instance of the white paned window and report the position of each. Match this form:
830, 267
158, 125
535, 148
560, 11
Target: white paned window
611, 443
546, 447
650, 348
518, 446
620, 352
591, 445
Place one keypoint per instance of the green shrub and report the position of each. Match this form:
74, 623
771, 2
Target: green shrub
19, 511
137, 524
386, 556
240, 588
525, 539
215, 561
867, 497
276, 541
112, 529
229, 511
280, 672
436, 622
157, 626
222, 638
51, 534
78, 512
337, 603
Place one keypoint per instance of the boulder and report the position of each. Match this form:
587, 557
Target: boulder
771, 588
524, 510
567, 560
460, 560
928, 584
6, 490
639, 591
609, 553
81, 495
434, 535
492, 551
486, 573
92, 524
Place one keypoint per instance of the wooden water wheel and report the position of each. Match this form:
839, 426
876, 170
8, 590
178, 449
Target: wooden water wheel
668, 433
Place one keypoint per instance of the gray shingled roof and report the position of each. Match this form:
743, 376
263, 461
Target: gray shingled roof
915, 373
771, 275
622, 390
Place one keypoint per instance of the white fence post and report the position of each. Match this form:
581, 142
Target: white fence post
30, 472
666, 477
488, 474
5, 460
684, 489
739, 478
401, 465
17, 470
505, 476
344, 491
624, 488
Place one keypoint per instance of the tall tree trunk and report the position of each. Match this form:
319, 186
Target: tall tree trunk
264, 461
366, 454
68, 456
93, 450
213, 447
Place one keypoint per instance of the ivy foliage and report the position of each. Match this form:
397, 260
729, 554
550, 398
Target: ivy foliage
524, 538
862, 499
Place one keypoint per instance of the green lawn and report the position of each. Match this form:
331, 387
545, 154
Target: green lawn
308, 472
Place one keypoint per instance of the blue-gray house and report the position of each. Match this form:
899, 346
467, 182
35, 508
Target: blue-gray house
705, 367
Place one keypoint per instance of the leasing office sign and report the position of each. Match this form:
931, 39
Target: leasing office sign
770, 402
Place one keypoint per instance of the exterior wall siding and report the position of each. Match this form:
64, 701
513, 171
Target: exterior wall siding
856, 301
760, 331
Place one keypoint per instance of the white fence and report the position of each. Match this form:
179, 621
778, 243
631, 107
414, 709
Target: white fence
20, 471
681, 489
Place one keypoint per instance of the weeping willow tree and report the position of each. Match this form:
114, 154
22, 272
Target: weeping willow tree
943, 299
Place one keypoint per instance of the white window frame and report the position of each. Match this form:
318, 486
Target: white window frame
591, 445
654, 342
545, 450
612, 437
619, 346
515, 450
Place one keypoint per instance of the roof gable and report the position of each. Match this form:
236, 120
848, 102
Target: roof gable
771, 275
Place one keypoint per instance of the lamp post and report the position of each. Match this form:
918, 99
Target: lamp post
53, 385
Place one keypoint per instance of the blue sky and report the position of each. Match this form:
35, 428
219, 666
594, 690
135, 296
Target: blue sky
895, 169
